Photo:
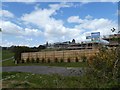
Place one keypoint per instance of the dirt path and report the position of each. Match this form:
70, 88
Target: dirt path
6, 59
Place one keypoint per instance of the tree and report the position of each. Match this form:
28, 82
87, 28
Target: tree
47, 44
41, 47
21, 49
73, 41
17, 50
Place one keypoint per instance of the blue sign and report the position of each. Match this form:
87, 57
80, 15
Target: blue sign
95, 35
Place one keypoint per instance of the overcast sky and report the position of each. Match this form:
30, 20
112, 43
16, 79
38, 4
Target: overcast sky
35, 23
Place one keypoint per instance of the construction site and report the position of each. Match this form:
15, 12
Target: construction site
71, 51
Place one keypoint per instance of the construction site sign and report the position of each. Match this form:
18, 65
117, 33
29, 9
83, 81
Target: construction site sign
95, 35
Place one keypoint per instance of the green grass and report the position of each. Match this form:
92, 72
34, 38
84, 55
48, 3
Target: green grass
7, 54
0, 75
30, 80
0, 53
61, 64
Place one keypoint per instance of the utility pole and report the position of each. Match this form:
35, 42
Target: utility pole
0, 30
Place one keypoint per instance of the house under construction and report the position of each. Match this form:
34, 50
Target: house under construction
70, 51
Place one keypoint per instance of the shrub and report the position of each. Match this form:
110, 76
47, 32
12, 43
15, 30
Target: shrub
22, 61
76, 59
91, 59
33, 60
43, 60
84, 58
105, 59
48, 60
56, 59
61, 60
105, 67
37, 60
68, 60
28, 60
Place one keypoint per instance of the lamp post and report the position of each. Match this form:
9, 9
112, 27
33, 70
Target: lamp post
112, 30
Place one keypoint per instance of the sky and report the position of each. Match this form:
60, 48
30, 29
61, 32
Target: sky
35, 23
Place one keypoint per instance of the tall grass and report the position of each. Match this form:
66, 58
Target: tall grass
7, 54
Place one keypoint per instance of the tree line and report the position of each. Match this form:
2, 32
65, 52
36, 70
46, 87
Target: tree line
17, 50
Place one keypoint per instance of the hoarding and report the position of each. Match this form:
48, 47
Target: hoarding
95, 35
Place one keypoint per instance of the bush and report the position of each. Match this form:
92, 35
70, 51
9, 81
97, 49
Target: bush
105, 59
48, 60
68, 60
28, 60
105, 67
33, 60
61, 60
56, 60
84, 58
22, 61
43, 60
91, 59
76, 59
37, 60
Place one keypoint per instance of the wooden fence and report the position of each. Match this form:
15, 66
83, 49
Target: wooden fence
53, 56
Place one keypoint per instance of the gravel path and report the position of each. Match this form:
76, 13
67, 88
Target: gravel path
69, 71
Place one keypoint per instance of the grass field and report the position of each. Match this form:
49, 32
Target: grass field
0, 55
62, 64
7, 54
30, 80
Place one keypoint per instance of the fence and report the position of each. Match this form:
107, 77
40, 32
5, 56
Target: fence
59, 56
